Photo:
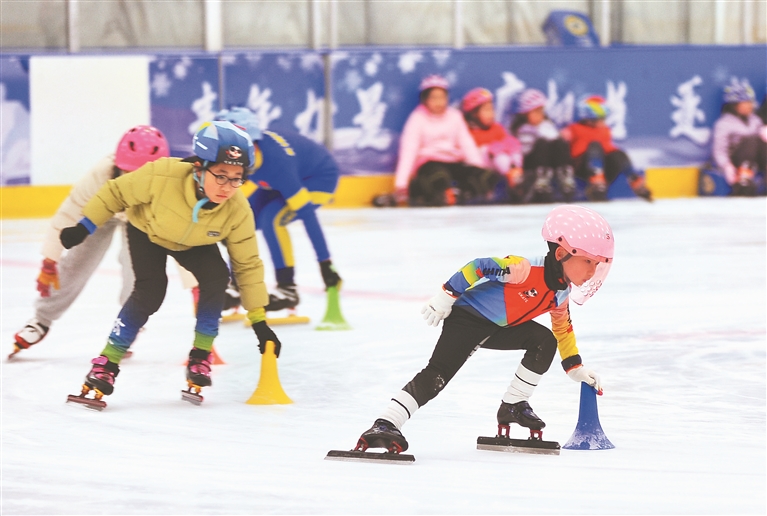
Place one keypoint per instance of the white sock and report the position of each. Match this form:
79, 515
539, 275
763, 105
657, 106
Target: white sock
400, 409
522, 386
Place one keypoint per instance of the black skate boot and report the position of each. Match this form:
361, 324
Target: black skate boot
520, 413
198, 368
197, 375
32, 333
597, 187
100, 379
382, 434
286, 296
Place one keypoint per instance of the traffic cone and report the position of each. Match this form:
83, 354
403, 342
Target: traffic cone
269, 391
588, 434
333, 319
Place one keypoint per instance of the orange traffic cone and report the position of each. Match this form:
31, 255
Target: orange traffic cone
269, 391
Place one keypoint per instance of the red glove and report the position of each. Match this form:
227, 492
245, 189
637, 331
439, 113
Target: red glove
49, 275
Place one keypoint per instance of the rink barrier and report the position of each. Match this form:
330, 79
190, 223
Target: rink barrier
31, 202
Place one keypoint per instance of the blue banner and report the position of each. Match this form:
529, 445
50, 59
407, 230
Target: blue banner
15, 148
185, 93
285, 90
664, 100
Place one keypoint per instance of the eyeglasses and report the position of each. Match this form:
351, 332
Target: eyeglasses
235, 182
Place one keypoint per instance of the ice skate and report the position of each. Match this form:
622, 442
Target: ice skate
197, 375
28, 336
383, 434
100, 380
541, 189
522, 414
639, 187
232, 310
745, 186
284, 297
566, 180
597, 187
384, 201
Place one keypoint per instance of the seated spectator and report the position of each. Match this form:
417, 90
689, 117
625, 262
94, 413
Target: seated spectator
597, 160
500, 151
546, 153
439, 163
739, 149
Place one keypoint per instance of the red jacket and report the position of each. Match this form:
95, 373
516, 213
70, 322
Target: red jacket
582, 135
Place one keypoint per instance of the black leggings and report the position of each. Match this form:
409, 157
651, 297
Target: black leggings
547, 153
613, 163
434, 177
149, 262
752, 150
463, 333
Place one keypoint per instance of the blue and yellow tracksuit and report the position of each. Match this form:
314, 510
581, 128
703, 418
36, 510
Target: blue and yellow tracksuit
293, 177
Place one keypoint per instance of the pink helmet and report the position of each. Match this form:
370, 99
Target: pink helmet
434, 81
530, 99
475, 98
582, 232
140, 145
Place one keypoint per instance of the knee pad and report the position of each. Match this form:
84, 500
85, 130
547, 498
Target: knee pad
425, 386
539, 356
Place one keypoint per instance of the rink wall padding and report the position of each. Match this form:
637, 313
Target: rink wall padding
62, 113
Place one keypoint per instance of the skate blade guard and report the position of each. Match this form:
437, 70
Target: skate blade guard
286, 318
505, 444
365, 456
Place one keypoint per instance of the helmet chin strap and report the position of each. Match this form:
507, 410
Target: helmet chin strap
202, 202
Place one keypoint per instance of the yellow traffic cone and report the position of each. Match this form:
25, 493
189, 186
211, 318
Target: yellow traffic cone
269, 391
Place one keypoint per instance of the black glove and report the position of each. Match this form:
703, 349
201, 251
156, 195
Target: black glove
329, 274
73, 236
265, 333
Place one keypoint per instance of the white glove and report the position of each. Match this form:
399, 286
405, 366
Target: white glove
581, 374
438, 308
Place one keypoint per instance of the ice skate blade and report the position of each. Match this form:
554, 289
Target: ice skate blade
87, 402
504, 444
360, 456
191, 397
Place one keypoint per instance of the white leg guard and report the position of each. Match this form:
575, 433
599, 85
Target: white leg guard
522, 386
400, 409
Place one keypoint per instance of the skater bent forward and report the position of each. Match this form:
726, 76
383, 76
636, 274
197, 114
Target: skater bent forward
491, 303
182, 208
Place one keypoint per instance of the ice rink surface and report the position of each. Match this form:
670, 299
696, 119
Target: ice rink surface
677, 334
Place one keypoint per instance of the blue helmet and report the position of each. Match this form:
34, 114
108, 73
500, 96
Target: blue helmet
244, 118
739, 92
222, 142
591, 108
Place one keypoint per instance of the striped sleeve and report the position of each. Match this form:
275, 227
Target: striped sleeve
511, 269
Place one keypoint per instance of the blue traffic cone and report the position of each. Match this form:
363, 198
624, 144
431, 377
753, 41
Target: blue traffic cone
588, 434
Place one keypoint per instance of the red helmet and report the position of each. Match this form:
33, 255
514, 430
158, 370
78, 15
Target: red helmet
139, 146
434, 81
475, 98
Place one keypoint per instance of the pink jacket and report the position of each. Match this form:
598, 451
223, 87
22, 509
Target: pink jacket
428, 137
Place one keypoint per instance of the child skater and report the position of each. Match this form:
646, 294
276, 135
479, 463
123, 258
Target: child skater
491, 303
62, 278
547, 154
182, 208
293, 177
738, 148
436, 153
597, 160
500, 150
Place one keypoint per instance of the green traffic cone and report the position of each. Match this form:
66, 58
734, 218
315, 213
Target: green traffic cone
333, 319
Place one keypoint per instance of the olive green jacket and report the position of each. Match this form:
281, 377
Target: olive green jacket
159, 198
